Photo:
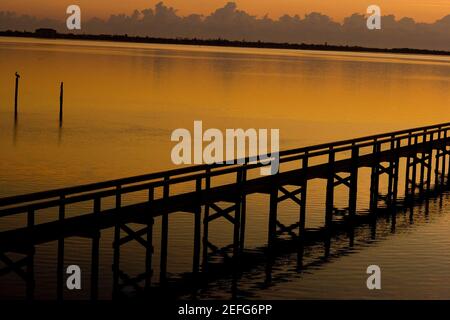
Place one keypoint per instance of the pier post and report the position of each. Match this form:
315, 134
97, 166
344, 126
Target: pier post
273, 216
414, 171
205, 221
243, 209
94, 266
329, 205
448, 164
164, 236
373, 229
302, 218
422, 164
393, 222
95, 255
437, 159
444, 158
60, 267
429, 162
396, 171
237, 215
116, 246
30, 281
353, 181
374, 181
391, 172
60, 271
394, 163
408, 171
197, 228
149, 244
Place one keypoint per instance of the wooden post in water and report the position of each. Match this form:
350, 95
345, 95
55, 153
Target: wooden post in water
272, 230
447, 172
243, 211
444, 158
414, 169
205, 222
391, 172
116, 246
329, 206
374, 181
30, 281
149, 247
429, 163
16, 95
60, 265
197, 229
422, 163
61, 99
353, 181
95, 254
396, 171
164, 237
237, 217
407, 174
437, 162
302, 217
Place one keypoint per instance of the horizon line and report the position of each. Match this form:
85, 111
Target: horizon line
218, 42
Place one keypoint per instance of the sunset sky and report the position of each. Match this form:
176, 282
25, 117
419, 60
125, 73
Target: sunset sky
420, 10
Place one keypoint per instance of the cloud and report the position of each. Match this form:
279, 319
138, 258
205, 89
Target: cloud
231, 23
12, 21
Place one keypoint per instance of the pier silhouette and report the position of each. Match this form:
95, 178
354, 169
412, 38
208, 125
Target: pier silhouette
212, 192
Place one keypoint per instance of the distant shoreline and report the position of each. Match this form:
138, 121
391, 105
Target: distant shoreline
219, 43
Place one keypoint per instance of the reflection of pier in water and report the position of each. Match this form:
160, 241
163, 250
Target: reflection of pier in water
205, 192
267, 269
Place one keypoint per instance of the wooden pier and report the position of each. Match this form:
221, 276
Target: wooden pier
424, 150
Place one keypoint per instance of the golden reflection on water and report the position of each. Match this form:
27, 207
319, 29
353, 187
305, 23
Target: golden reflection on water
122, 102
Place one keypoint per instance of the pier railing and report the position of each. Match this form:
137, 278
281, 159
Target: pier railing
30, 203
425, 150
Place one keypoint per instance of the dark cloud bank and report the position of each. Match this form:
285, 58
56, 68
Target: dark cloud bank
233, 24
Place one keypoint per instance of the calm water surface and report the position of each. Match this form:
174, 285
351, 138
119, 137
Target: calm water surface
122, 101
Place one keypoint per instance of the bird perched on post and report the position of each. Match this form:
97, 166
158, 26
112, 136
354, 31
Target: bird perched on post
17, 75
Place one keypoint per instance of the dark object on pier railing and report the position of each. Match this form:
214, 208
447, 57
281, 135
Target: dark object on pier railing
380, 152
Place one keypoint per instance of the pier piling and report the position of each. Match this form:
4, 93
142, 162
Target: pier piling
164, 236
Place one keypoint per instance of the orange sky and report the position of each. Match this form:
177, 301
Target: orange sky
420, 10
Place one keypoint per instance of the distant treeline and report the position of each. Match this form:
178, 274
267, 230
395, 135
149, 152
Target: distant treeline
212, 42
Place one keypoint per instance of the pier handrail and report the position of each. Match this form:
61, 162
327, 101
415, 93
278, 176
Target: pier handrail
92, 191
